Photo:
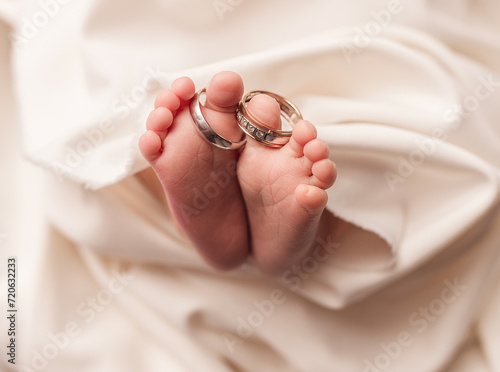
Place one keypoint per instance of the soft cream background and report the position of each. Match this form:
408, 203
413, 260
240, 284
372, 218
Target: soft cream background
172, 314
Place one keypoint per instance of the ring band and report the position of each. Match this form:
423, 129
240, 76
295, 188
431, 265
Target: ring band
258, 131
206, 130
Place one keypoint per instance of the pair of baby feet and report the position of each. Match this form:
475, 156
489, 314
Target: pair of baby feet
262, 202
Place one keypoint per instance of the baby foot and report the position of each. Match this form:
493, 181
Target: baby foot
198, 179
284, 189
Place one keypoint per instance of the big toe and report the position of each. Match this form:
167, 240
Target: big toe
224, 92
265, 110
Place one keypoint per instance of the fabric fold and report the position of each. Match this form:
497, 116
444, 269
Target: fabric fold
406, 96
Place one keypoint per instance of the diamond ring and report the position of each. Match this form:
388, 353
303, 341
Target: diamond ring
258, 131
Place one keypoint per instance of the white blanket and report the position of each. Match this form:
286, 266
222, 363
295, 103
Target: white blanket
406, 93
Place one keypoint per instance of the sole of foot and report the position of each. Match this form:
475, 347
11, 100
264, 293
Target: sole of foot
284, 190
199, 180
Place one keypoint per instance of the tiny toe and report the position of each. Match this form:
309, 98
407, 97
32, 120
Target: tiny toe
316, 150
167, 99
159, 120
184, 88
266, 110
224, 91
150, 145
312, 198
325, 173
302, 133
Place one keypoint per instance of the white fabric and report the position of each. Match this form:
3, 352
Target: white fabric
411, 114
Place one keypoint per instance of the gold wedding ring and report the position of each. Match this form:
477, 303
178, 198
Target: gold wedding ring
260, 132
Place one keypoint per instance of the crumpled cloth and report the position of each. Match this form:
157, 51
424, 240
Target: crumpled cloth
406, 93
